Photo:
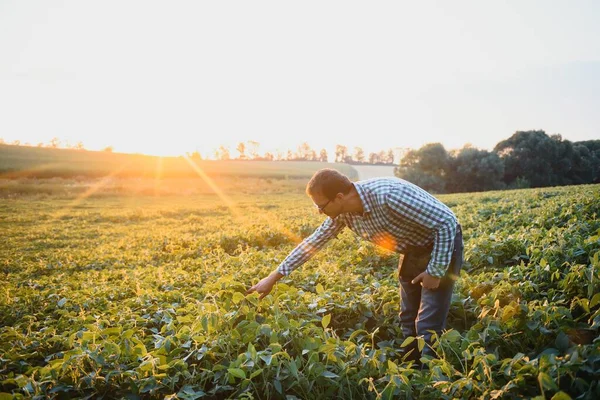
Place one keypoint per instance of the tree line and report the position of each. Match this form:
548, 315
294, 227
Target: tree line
54, 143
526, 159
249, 150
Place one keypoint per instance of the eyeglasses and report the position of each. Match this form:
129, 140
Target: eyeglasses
322, 208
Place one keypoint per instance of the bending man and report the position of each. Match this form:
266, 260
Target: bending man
397, 214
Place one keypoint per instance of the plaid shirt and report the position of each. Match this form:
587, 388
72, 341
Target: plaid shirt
397, 215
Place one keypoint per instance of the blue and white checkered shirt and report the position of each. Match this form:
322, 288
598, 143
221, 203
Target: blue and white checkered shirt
397, 214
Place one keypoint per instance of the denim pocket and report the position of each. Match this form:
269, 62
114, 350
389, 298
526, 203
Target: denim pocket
413, 264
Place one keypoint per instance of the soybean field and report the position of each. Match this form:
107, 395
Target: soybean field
140, 294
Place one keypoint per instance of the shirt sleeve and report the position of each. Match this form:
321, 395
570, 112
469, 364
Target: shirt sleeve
328, 230
419, 207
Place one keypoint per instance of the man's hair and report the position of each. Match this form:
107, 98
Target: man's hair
329, 183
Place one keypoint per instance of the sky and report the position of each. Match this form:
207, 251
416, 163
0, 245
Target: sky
166, 78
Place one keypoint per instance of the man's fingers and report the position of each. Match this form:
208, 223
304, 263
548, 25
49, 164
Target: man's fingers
418, 278
252, 289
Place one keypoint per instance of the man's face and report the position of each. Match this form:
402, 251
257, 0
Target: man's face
331, 208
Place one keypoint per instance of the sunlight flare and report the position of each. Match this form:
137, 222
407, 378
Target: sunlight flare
90, 191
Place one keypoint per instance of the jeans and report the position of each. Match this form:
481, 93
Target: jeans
424, 310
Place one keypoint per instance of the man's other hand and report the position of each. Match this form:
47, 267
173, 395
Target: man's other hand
427, 281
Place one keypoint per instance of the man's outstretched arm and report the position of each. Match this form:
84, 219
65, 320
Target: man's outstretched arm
302, 253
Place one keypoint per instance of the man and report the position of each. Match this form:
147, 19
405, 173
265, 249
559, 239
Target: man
399, 216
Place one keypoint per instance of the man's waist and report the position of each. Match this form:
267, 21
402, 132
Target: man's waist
427, 248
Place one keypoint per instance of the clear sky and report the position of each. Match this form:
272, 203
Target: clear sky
169, 77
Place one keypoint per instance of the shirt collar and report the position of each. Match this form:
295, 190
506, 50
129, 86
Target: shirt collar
363, 194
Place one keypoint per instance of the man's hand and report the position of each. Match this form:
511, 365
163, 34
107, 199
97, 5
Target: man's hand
265, 285
427, 281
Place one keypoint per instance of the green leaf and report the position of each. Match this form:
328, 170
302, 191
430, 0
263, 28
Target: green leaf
407, 341
595, 300
237, 372
294, 369
329, 374
111, 331
184, 319
146, 365
420, 343
140, 350
562, 341
320, 288
237, 297
256, 373
62, 301
325, 321
452, 335
546, 381
561, 396
278, 387
127, 334
267, 359
356, 333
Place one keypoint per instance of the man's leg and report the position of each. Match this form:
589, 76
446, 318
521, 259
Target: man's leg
410, 299
435, 304
433, 312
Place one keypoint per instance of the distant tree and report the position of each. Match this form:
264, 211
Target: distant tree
359, 155
241, 148
79, 146
289, 156
390, 157
269, 156
425, 167
224, 153
108, 149
54, 142
474, 170
194, 156
533, 156
374, 158
592, 145
304, 152
16, 143
341, 153
433, 158
577, 162
584, 165
323, 155
252, 148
